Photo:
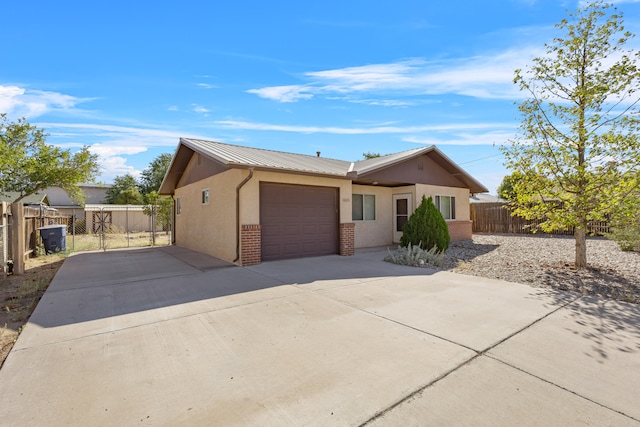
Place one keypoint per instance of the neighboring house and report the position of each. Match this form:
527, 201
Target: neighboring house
96, 216
60, 200
248, 205
34, 200
485, 198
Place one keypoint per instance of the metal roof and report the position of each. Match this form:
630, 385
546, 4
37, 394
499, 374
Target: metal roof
247, 157
32, 199
234, 155
376, 163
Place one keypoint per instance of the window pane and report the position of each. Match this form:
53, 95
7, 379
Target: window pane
445, 207
369, 207
453, 207
356, 207
402, 207
401, 220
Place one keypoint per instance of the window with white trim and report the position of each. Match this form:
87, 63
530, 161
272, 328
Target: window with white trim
363, 207
178, 205
205, 196
446, 205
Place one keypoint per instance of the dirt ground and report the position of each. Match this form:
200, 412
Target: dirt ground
19, 296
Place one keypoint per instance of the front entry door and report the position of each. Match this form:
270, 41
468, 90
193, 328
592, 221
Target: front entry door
402, 209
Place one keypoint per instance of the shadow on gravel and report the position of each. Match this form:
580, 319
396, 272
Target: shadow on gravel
591, 281
465, 251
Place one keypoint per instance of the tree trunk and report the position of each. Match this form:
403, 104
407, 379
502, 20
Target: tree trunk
581, 247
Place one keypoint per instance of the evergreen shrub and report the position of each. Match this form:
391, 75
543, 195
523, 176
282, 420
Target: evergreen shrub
426, 228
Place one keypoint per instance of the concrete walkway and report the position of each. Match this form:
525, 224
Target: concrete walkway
167, 336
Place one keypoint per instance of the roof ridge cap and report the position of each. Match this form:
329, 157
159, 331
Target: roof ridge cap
265, 149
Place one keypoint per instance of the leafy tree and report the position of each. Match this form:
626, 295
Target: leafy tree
161, 207
153, 175
124, 191
426, 228
370, 155
578, 151
28, 164
506, 187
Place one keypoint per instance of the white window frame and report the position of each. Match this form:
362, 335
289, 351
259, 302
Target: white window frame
452, 205
206, 196
178, 205
364, 211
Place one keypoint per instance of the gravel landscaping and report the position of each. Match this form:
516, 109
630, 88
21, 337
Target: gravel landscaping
547, 261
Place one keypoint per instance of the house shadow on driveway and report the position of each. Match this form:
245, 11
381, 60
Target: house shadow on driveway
124, 288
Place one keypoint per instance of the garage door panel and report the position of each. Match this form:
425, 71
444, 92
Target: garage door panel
298, 220
290, 231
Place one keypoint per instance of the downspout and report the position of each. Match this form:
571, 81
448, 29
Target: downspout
244, 181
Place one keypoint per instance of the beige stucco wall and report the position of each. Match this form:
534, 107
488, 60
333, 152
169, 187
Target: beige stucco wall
209, 228
379, 232
250, 195
461, 194
212, 228
459, 228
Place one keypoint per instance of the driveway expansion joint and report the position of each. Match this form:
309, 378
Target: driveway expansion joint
561, 387
468, 361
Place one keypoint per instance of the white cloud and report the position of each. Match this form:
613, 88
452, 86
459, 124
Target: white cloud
290, 93
383, 129
380, 102
115, 150
113, 166
585, 3
21, 102
200, 109
497, 137
206, 85
173, 108
487, 76
111, 160
112, 143
154, 137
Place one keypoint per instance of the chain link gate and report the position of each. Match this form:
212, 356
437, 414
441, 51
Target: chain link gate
119, 226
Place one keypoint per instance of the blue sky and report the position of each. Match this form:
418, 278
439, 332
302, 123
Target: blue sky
341, 77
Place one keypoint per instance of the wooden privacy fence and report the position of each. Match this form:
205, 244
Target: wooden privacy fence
19, 235
496, 218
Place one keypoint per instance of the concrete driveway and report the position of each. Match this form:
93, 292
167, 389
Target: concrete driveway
167, 336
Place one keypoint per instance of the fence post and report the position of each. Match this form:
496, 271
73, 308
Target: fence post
73, 229
17, 237
153, 225
126, 215
4, 233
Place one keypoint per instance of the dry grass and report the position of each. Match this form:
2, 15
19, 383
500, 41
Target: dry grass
19, 296
92, 242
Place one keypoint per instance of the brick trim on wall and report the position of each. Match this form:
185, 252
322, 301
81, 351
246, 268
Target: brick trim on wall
347, 239
460, 230
250, 244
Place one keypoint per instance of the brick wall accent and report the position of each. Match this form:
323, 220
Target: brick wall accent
460, 230
347, 239
250, 244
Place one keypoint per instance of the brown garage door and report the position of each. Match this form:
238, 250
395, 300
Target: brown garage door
298, 221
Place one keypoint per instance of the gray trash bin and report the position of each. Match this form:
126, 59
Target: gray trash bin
54, 238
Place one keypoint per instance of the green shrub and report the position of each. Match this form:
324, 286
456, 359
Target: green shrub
426, 228
416, 256
627, 237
